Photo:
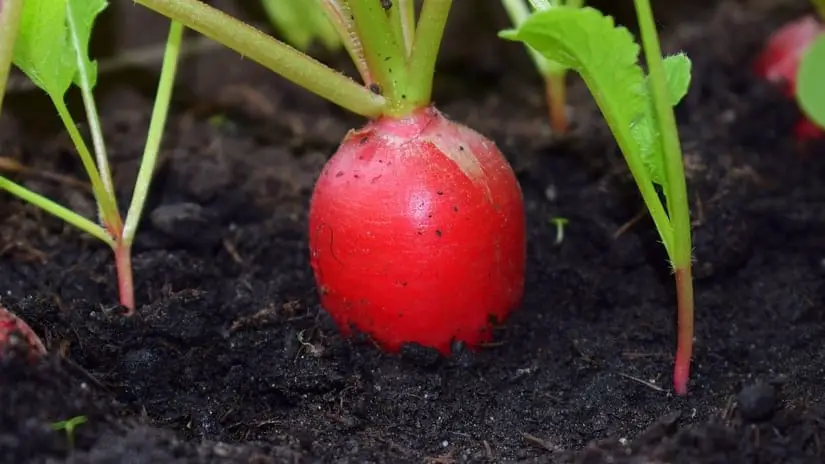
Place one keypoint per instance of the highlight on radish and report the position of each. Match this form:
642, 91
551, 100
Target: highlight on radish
416, 224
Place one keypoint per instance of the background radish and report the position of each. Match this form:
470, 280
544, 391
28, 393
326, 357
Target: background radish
417, 227
780, 59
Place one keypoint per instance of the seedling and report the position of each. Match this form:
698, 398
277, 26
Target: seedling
639, 112
792, 59
553, 73
559, 223
51, 49
69, 425
416, 224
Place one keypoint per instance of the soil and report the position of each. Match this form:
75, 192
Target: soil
229, 357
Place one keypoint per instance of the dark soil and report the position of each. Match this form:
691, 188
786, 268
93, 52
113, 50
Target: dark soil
230, 359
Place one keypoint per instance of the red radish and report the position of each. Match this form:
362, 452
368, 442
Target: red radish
779, 62
13, 328
416, 224
417, 233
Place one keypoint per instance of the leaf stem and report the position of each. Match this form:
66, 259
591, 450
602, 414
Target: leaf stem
57, 210
385, 56
556, 95
275, 55
396, 21
10, 14
160, 111
338, 13
125, 278
407, 9
428, 36
106, 202
92, 116
677, 198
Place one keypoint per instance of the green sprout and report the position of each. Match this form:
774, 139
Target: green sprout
69, 426
50, 47
639, 112
559, 223
553, 73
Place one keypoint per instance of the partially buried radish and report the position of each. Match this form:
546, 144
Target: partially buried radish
416, 225
417, 233
14, 332
779, 62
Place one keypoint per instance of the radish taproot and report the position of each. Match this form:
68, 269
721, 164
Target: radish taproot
417, 233
417, 224
779, 61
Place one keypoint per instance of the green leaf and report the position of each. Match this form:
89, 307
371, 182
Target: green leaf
53, 41
810, 92
677, 73
40, 50
646, 129
81, 15
605, 55
302, 22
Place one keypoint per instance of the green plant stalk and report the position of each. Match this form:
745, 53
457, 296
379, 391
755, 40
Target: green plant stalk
407, 9
385, 56
160, 111
106, 202
10, 14
157, 123
93, 119
554, 75
677, 199
428, 37
92, 228
273, 54
338, 13
555, 92
397, 27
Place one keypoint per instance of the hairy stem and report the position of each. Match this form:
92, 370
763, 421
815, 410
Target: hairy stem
676, 190
273, 54
160, 111
428, 36
92, 116
338, 13
105, 201
10, 14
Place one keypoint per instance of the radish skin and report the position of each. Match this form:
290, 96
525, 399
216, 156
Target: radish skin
417, 233
12, 326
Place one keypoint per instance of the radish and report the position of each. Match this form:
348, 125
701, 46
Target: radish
417, 233
14, 330
416, 223
779, 62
